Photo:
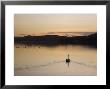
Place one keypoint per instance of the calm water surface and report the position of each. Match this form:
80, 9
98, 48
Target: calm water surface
50, 60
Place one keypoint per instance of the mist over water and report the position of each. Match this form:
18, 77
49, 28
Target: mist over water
40, 60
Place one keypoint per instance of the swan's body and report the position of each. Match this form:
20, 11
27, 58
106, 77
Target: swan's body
68, 60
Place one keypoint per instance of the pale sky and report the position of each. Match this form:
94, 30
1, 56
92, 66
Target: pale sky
35, 24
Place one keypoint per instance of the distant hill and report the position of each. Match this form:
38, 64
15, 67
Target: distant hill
56, 40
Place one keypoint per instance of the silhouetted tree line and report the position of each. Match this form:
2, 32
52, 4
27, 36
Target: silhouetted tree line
56, 40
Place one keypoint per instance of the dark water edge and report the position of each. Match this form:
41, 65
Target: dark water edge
26, 45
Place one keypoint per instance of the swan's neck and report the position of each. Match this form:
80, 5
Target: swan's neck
68, 56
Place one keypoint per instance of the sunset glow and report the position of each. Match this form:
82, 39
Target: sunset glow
39, 24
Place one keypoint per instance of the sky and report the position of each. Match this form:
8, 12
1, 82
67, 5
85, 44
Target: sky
39, 24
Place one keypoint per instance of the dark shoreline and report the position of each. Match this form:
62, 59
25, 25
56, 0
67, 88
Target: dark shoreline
54, 40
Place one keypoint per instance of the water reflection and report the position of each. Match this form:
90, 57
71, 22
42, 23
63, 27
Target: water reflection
33, 60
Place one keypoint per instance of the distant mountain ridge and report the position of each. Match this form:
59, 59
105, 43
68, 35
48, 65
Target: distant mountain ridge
69, 34
56, 40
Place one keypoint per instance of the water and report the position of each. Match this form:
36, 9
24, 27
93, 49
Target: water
40, 60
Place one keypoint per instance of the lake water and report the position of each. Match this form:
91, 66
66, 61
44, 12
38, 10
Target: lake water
50, 60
